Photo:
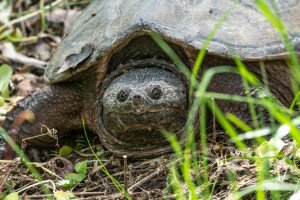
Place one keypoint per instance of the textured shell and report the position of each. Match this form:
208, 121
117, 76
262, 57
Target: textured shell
105, 24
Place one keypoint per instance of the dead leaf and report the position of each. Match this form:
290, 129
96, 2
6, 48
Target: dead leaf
64, 16
9, 52
26, 83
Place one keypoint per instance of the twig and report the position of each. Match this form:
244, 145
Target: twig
147, 178
112, 196
47, 170
4, 180
35, 184
50, 132
88, 193
125, 172
39, 196
9, 52
97, 168
30, 15
85, 194
6, 161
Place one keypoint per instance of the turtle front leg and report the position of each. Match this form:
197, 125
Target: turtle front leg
55, 107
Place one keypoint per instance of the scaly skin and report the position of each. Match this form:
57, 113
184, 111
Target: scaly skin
61, 106
55, 107
140, 103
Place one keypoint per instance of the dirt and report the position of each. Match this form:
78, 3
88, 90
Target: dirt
145, 179
28, 61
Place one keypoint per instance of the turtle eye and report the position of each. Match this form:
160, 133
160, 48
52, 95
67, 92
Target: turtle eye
123, 95
156, 93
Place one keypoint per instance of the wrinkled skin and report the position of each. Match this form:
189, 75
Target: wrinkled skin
111, 34
63, 105
140, 103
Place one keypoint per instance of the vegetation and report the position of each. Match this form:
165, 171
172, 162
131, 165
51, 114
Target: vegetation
268, 185
266, 169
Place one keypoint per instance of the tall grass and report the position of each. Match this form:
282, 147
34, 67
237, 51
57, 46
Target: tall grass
106, 172
189, 161
25, 160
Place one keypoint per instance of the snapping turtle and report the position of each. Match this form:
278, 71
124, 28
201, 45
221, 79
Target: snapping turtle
108, 70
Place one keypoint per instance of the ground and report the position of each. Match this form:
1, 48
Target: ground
26, 47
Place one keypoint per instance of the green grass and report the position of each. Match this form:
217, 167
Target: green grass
5, 76
103, 168
25, 160
9, 34
267, 186
191, 168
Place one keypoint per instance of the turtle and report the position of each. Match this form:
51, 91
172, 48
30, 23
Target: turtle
110, 72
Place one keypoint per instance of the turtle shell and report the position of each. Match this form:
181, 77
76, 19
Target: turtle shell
104, 25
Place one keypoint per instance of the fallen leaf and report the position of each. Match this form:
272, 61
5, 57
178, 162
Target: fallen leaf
63, 195
64, 16
12, 196
9, 52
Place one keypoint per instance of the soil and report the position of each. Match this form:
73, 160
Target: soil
143, 179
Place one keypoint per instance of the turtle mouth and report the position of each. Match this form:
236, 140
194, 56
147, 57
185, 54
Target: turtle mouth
142, 111
144, 128
135, 122
137, 102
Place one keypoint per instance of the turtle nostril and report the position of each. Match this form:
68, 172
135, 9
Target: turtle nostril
137, 97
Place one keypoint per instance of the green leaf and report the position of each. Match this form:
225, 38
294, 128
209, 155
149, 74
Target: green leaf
1, 101
5, 92
297, 154
12, 196
74, 178
80, 167
65, 151
5, 75
267, 185
271, 148
17, 33
63, 195
64, 183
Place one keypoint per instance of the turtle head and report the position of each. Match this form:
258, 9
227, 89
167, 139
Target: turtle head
141, 102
